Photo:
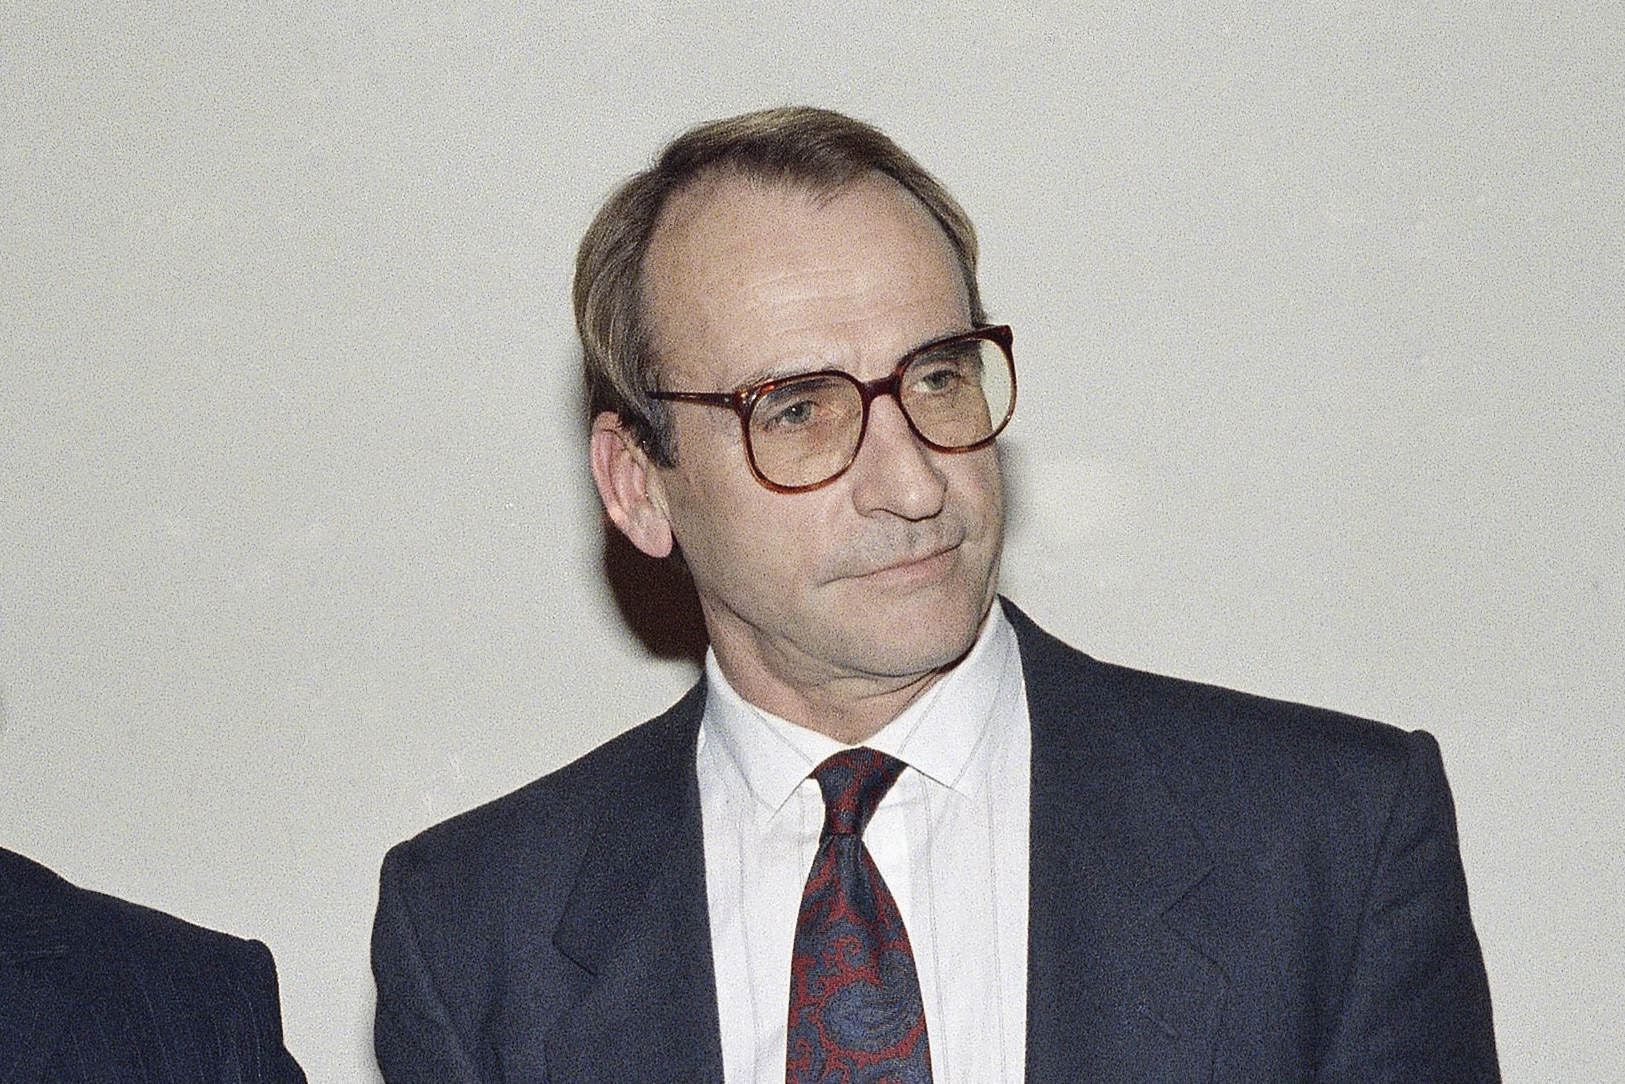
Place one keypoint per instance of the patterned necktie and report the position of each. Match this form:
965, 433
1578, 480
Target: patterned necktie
855, 1011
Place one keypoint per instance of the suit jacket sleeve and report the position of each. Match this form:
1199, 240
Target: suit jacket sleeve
1415, 1004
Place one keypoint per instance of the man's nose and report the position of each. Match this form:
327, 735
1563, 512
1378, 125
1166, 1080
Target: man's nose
894, 472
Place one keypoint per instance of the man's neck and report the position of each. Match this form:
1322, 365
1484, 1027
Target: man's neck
850, 708
849, 716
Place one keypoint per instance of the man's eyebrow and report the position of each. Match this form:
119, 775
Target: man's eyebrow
777, 372
808, 366
936, 339
784, 372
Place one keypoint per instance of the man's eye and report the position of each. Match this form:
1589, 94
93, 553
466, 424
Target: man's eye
937, 379
803, 405
790, 415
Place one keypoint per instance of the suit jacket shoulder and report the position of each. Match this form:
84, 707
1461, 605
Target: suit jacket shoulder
1241, 888
127, 992
1218, 750
539, 833
500, 930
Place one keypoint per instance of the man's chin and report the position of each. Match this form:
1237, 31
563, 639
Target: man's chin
918, 635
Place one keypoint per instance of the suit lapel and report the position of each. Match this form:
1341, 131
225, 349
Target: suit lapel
33, 948
638, 926
1122, 983
1120, 987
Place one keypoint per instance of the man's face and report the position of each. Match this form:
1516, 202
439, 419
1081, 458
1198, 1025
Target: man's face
884, 575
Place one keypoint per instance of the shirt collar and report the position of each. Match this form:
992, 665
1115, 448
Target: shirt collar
940, 735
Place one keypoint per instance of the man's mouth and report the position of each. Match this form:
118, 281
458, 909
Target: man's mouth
923, 566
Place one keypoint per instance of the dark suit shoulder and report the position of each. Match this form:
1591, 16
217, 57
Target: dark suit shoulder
199, 976
1306, 857
469, 909
540, 831
104, 930
1224, 729
1244, 765
135, 983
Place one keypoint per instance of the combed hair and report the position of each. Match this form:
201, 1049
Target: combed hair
816, 149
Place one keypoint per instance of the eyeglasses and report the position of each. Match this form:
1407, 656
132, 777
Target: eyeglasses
804, 431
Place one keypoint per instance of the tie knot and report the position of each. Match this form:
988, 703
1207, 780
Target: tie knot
853, 782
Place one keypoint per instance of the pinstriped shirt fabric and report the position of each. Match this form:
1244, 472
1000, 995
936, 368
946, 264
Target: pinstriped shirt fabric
950, 839
137, 996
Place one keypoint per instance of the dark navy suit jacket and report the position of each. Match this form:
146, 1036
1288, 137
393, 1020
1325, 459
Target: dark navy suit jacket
95, 989
1223, 889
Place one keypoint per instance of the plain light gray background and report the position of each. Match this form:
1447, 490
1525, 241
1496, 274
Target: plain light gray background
1318, 315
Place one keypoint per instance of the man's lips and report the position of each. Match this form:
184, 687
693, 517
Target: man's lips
894, 552
922, 565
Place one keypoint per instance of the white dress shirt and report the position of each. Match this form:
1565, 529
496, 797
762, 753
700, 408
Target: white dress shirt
950, 839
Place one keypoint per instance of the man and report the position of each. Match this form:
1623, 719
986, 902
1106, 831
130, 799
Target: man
93, 988
1035, 866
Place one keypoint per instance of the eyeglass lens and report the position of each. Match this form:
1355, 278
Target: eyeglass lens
807, 430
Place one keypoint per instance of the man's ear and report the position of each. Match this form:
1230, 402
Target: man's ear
628, 486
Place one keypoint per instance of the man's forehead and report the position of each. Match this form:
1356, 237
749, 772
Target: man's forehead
723, 210
747, 280
725, 229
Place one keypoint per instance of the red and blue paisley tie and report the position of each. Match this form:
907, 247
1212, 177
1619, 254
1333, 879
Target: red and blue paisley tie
855, 1011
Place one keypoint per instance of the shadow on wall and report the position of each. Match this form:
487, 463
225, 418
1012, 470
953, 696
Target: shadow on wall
656, 599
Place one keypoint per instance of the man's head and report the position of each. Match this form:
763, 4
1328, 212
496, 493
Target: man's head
814, 150
794, 257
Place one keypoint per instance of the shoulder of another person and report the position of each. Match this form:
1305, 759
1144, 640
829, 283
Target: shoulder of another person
112, 933
113, 959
